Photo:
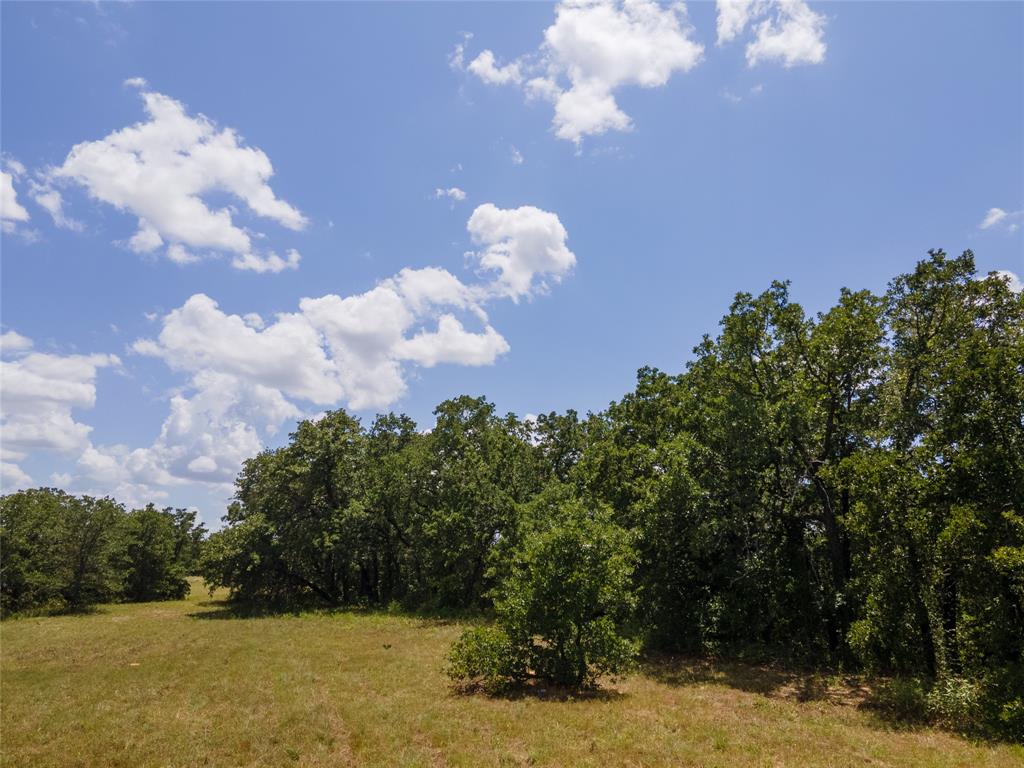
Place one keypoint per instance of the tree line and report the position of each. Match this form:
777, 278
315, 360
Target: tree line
65, 553
845, 488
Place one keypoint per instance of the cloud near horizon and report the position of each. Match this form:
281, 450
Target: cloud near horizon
245, 377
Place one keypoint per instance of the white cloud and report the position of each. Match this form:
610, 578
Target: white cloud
247, 376
253, 320
517, 157
452, 343
40, 391
12, 212
52, 202
593, 49
733, 16
484, 67
161, 170
457, 58
13, 478
1012, 280
788, 30
993, 217
287, 355
523, 245
452, 193
997, 217
269, 263
12, 341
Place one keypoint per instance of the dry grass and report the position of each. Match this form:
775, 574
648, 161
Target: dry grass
189, 684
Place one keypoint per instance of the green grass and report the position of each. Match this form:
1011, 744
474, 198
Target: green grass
187, 684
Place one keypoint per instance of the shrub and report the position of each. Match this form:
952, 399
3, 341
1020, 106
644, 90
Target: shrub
955, 702
560, 608
486, 656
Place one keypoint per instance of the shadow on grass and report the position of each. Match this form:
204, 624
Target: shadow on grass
219, 610
777, 681
882, 699
539, 690
63, 612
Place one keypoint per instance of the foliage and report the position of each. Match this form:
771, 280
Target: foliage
151, 564
845, 488
63, 552
561, 608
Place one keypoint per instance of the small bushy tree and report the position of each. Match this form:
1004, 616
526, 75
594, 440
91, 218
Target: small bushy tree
561, 606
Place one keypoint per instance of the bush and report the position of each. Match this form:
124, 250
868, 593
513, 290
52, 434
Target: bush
560, 608
486, 656
955, 702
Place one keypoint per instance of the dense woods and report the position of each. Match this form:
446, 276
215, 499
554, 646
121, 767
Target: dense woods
846, 489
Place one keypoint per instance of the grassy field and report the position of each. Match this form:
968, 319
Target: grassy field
188, 684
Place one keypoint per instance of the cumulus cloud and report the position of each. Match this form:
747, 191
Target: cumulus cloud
163, 170
12, 341
13, 477
245, 376
40, 392
594, 48
484, 67
525, 246
287, 355
997, 217
787, 31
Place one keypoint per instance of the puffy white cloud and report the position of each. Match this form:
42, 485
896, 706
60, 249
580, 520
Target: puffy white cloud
287, 355
484, 67
161, 170
594, 48
451, 343
13, 477
525, 246
220, 421
788, 30
40, 390
517, 157
12, 341
247, 376
1012, 280
733, 16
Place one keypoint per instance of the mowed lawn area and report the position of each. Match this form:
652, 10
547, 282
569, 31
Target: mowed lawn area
187, 684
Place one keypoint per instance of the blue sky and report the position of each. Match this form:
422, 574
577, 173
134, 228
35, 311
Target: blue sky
616, 185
